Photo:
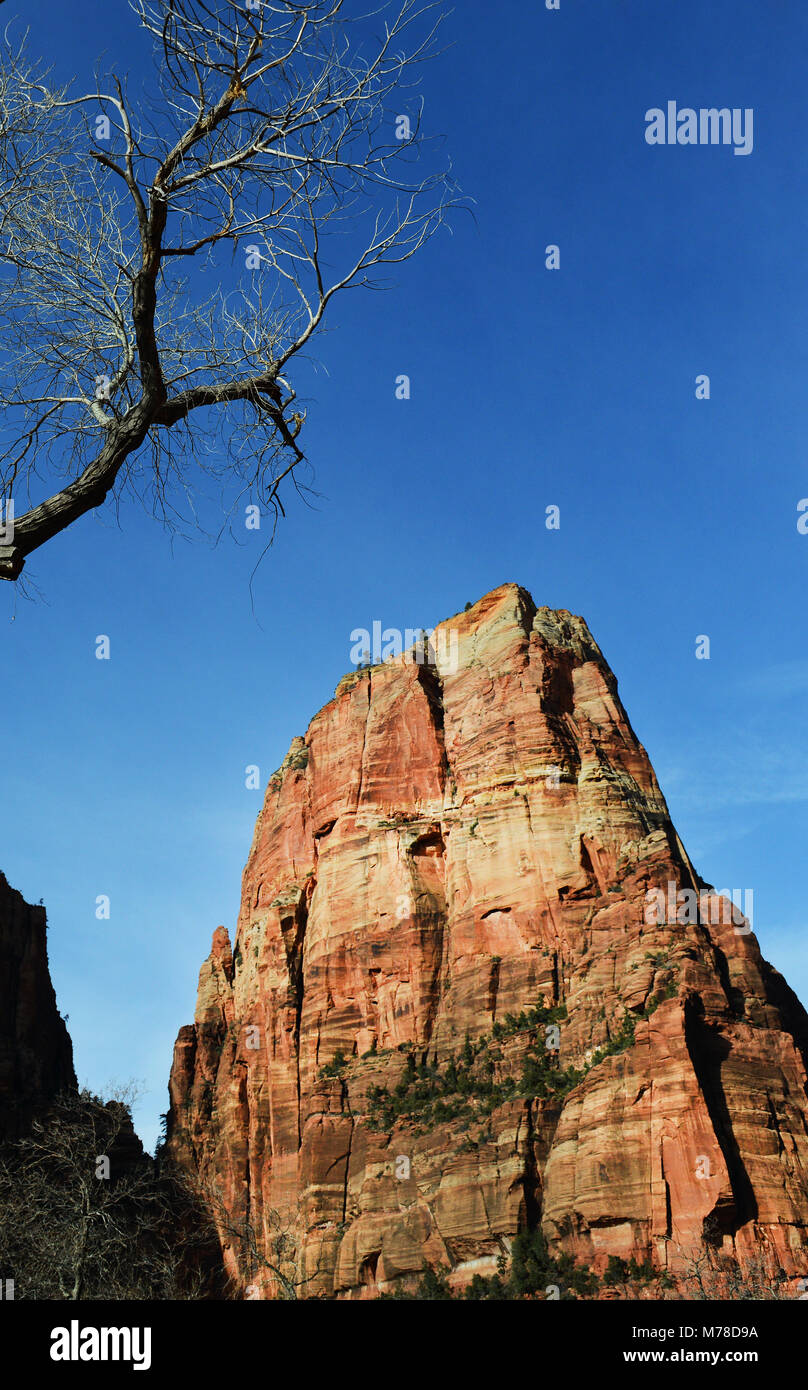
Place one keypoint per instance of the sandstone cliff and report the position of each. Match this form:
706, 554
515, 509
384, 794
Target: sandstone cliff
36, 1054
449, 1013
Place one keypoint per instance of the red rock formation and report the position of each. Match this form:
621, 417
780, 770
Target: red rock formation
447, 846
36, 1054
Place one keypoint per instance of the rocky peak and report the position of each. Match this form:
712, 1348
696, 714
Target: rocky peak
452, 1012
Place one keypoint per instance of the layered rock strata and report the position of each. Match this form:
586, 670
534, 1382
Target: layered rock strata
452, 1011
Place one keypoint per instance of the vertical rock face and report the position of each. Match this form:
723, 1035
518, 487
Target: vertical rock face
36, 1055
464, 998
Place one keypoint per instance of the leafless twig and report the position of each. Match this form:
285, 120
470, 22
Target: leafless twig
271, 140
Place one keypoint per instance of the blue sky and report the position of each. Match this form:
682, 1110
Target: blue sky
529, 387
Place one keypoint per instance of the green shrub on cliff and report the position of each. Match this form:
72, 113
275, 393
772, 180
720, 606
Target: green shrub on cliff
475, 1083
336, 1066
533, 1273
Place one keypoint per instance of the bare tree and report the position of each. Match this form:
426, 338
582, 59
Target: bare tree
270, 140
267, 1258
709, 1276
85, 1214
708, 1272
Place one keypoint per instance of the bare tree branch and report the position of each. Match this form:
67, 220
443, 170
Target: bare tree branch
86, 1214
270, 138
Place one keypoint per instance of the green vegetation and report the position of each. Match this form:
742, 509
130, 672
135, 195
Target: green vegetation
433, 1287
619, 1271
473, 1085
528, 1019
336, 1066
533, 1272
655, 1000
